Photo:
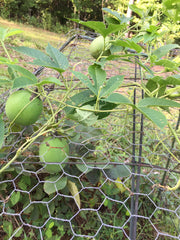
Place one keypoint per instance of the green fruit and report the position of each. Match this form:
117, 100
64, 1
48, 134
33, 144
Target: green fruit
97, 47
23, 107
53, 150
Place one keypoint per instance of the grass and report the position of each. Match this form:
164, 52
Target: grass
34, 35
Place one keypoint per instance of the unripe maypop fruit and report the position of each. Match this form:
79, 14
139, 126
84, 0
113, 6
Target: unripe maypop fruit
23, 107
97, 47
53, 150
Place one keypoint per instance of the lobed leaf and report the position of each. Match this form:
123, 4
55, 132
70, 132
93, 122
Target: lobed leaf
85, 80
56, 60
59, 58
100, 27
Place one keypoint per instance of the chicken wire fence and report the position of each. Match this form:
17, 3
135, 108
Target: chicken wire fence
113, 171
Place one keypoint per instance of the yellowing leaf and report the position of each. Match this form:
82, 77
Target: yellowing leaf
74, 191
120, 185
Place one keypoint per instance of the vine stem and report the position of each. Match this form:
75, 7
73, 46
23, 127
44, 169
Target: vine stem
174, 133
5, 49
22, 149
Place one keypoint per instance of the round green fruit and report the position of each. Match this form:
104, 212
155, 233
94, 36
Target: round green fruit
23, 107
97, 47
53, 150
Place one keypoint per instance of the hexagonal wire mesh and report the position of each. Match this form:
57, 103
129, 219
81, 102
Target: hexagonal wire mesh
37, 205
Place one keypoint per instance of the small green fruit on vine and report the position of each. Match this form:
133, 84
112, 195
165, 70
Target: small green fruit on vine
97, 47
53, 150
23, 107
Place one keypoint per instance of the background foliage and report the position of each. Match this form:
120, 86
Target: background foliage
54, 15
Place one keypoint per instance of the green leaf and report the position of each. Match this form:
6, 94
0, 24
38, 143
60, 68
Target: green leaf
118, 98
148, 37
111, 20
20, 82
158, 80
6, 32
83, 168
174, 80
85, 80
167, 63
2, 129
3, 32
27, 78
100, 27
170, 80
156, 117
98, 75
162, 51
11, 72
171, 4
128, 44
160, 102
4, 60
145, 67
24, 72
93, 176
112, 84
18, 232
117, 171
160, 87
137, 10
152, 29
15, 198
8, 228
122, 19
56, 60
34, 53
4, 80
172, 8
86, 117
51, 80
59, 58
12, 32
54, 183
83, 97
